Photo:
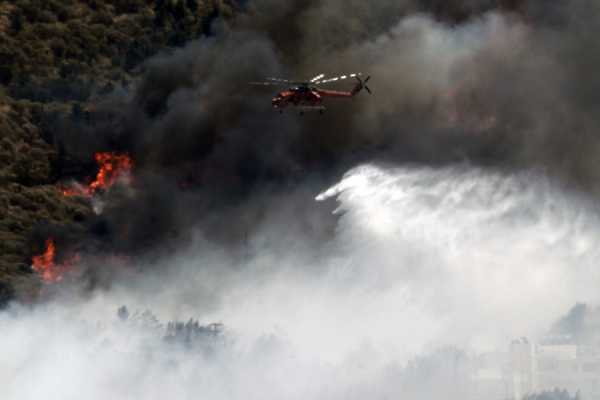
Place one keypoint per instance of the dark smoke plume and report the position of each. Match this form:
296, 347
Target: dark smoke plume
509, 84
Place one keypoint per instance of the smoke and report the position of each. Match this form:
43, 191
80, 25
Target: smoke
460, 81
471, 220
424, 261
493, 87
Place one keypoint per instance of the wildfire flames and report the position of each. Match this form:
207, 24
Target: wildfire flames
112, 168
47, 268
69, 191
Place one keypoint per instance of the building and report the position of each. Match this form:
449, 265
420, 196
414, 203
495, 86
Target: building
521, 370
545, 367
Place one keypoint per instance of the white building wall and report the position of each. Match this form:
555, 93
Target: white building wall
521, 368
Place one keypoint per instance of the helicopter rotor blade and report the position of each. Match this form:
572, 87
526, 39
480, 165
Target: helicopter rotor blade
267, 83
363, 84
287, 81
270, 81
338, 78
316, 78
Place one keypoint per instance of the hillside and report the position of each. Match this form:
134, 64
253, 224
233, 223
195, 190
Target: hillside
54, 56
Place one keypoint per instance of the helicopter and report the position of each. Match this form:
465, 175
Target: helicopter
308, 95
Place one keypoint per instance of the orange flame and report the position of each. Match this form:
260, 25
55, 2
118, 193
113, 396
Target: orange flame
47, 268
69, 192
112, 168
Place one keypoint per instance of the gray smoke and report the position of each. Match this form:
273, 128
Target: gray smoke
477, 225
508, 86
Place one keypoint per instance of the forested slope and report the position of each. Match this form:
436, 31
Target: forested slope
56, 55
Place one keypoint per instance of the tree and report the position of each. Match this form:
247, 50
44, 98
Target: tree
192, 5
6, 294
17, 21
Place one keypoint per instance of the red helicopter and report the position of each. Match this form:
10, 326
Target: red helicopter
307, 95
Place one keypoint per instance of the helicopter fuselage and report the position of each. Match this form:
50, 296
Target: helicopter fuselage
306, 97
297, 96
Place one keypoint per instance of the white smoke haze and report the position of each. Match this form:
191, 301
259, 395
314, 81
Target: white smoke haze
422, 259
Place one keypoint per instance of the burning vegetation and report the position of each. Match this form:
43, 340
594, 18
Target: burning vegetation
46, 266
112, 168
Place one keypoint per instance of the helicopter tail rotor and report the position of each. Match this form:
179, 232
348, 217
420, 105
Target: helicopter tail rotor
361, 85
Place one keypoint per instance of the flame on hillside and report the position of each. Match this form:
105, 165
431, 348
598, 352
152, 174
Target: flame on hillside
46, 266
112, 168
